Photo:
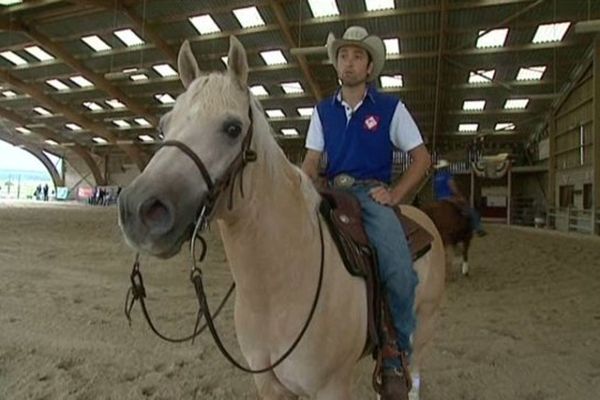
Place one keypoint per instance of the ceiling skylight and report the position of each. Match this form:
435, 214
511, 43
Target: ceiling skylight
391, 81
164, 70
516, 104
142, 122
42, 111
275, 113
531, 73
259, 90
13, 57
292, 87
138, 77
100, 140
57, 84
289, 132
73, 127
92, 106
39, 53
23, 130
305, 111
204, 24
504, 126
129, 37
51, 142
392, 46
164, 98
273, 57
323, 8
96, 43
121, 123
473, 105
115, 103
493, 38
550, 32
146, 138
468, 127
81, 81
374, 5
248, 17
9, 93
478, 78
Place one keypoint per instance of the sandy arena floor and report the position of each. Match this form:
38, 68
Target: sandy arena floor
524, 326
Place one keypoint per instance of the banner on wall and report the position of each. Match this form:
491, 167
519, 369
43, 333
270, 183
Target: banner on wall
84, 193
62, 193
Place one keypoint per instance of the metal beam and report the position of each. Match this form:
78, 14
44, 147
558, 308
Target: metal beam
290, 42
596, 139
440, 71
49, 134
133, 152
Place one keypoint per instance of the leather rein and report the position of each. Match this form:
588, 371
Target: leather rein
137, 291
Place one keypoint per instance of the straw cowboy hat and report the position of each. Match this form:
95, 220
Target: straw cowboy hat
441, 164
358, 36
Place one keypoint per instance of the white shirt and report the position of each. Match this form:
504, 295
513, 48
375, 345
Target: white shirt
404, 133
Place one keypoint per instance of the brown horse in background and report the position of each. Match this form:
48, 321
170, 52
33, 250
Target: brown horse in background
454, 227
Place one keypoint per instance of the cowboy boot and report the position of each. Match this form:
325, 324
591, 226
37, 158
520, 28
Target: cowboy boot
395, 382
395, 385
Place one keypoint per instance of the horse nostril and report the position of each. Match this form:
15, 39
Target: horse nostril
156, 215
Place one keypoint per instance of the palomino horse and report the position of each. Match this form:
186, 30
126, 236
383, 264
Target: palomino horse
270, 233
455, 228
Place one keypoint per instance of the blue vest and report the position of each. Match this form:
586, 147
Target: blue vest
441, 185
360, 147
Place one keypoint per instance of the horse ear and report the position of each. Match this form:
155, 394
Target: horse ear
187, 64
237, 63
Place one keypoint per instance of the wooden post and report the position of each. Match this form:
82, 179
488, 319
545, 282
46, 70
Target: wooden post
596, 138
472, 197
509, 197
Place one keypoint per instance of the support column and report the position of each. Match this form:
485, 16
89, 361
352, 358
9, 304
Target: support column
509, 197
596, 138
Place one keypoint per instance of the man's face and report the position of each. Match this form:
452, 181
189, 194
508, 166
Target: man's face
353, 65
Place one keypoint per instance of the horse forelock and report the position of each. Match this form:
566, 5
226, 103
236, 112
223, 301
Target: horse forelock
213, 93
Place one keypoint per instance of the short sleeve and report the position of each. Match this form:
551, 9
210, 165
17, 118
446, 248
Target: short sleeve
404, 132
314, 136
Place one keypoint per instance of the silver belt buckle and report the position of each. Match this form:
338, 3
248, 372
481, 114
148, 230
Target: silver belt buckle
343, 181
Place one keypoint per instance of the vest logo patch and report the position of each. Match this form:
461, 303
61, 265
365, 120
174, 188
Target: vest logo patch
371, 123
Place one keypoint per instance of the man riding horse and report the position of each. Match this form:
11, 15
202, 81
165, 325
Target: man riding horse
358, 128
445, 189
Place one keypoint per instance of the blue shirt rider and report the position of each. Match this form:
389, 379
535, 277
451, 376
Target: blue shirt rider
445, 189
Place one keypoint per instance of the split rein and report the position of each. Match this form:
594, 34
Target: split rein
137, 291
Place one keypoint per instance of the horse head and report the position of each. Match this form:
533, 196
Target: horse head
210, 122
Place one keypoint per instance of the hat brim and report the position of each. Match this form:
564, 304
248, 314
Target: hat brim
372, 45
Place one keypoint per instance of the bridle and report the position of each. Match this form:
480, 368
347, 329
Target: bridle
137, 291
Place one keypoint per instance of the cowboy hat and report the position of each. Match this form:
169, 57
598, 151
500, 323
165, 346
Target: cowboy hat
441, 164
358, 36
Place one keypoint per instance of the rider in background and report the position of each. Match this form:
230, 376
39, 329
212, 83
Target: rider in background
445, 189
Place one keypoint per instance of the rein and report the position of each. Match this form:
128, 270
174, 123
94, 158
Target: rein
137, 291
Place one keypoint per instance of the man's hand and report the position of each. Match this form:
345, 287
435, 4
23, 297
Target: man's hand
383, 195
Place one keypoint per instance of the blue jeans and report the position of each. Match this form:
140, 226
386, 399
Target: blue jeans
396, 273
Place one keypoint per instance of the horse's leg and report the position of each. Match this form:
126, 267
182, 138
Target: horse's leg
465, 256
450, 262
424, 331
269, 388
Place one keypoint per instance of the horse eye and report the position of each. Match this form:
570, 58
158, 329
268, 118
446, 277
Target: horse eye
233, 130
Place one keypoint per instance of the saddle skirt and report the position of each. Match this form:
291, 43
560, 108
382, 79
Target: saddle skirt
343, 215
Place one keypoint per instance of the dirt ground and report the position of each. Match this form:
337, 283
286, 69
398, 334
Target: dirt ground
525, 325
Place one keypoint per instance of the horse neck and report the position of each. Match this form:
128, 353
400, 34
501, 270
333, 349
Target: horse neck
274, 226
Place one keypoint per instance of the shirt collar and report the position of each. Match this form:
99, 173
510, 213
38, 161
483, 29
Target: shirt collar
370, 93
